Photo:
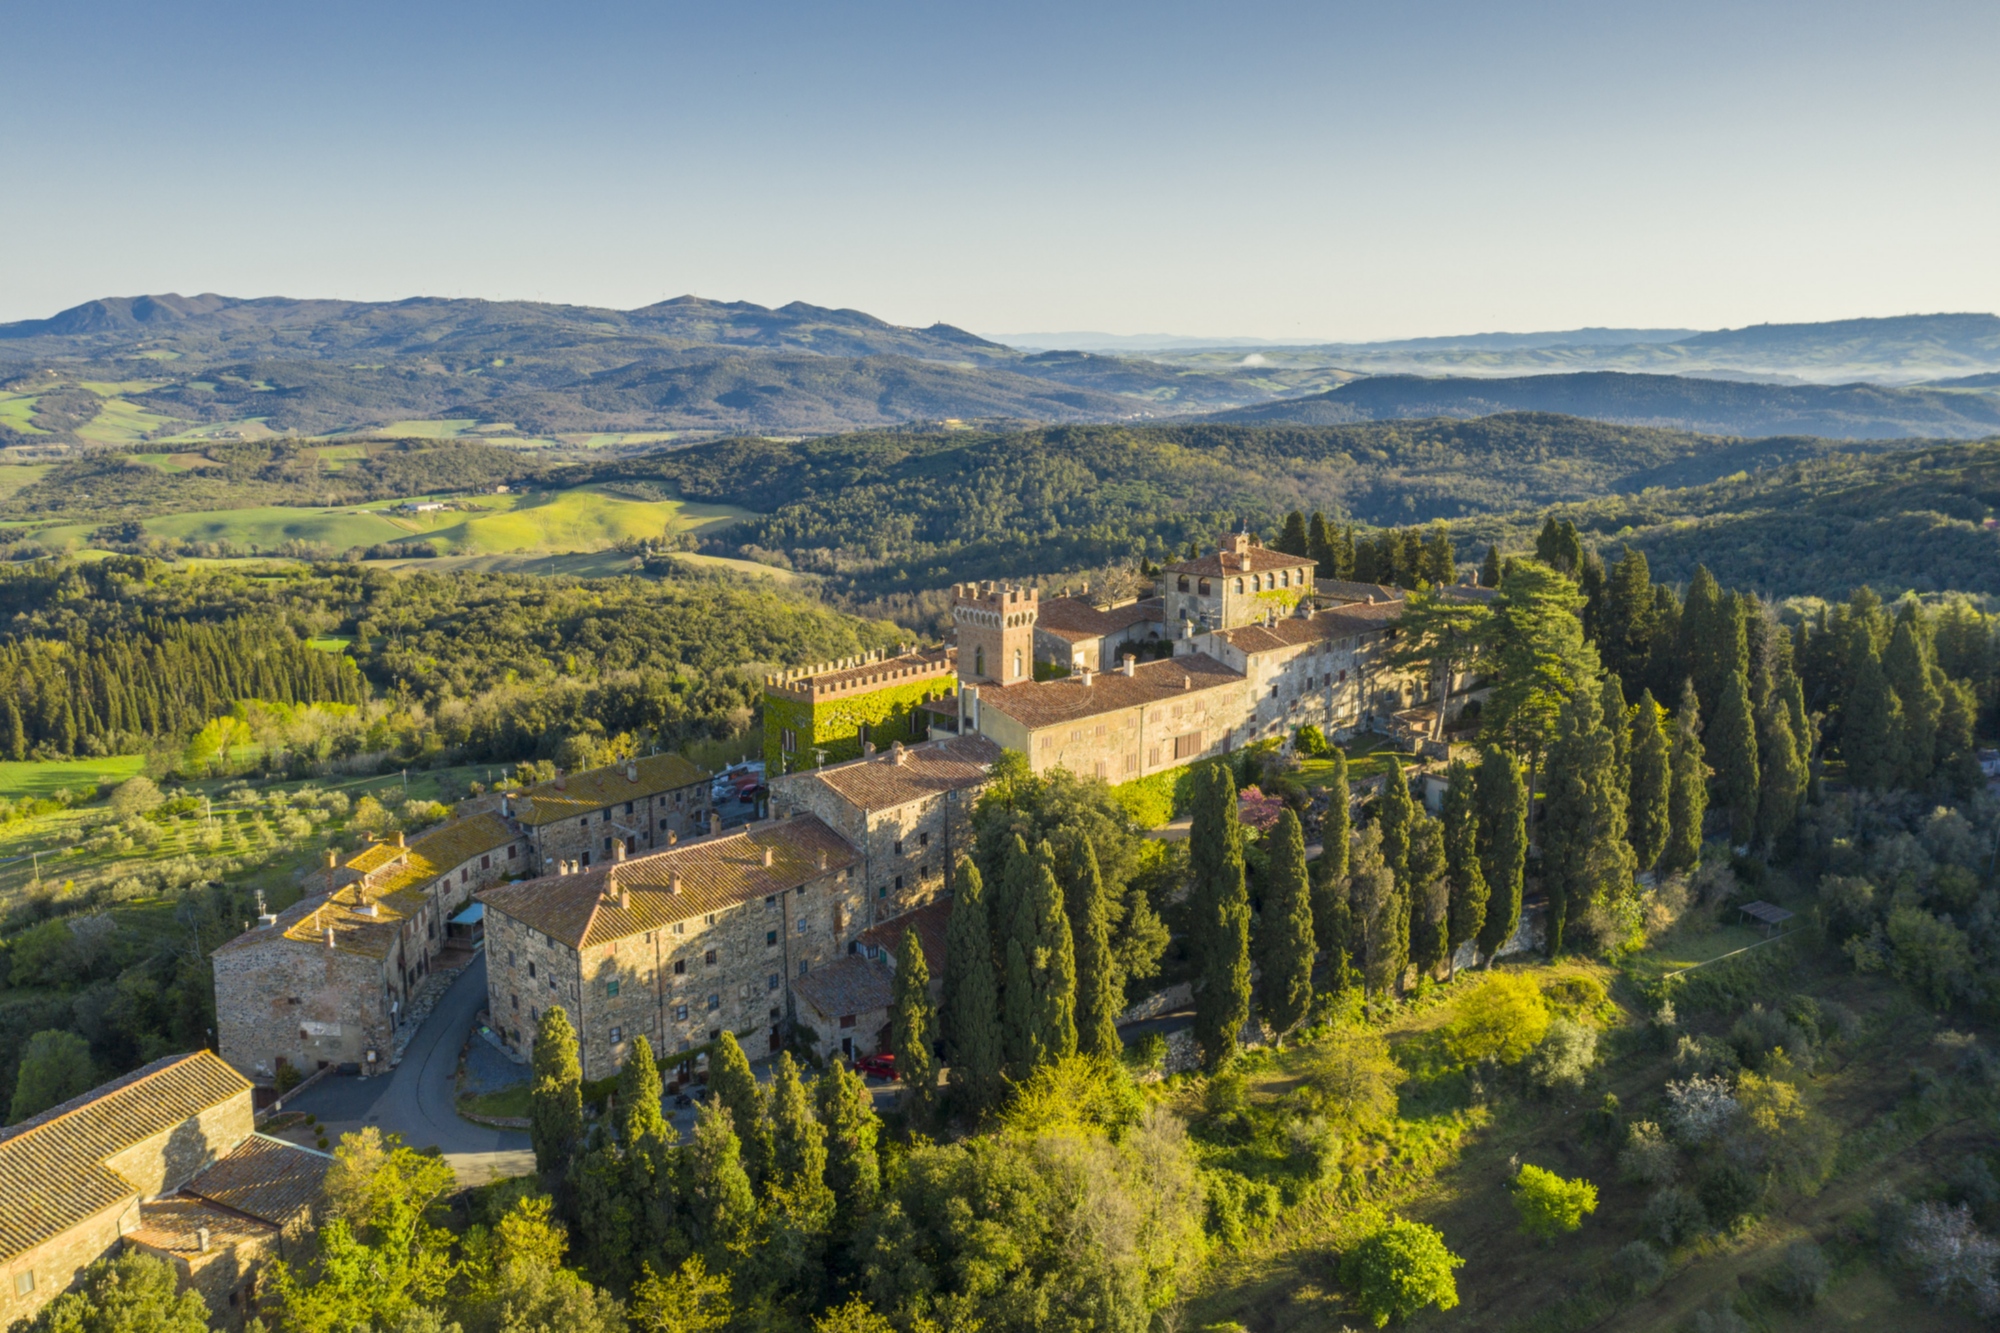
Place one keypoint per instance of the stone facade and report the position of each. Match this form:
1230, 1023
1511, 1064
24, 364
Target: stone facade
637, 806
1321, 668
995, 624
1076, 634
1240, 583
680, 945
327, 980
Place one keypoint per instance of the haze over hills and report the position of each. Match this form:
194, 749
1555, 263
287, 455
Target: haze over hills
170, 369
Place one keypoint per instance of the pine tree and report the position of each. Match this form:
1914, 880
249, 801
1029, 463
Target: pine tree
1395, 813
1687, 798
1381, 921
972, 1009
1907, 664
798, 1140
1429, 896
1539, 657
1220, 916
556, 1099
1099, 988
720, 1202
1502, 799
1287, 929
912, 1027
1320, 546
1293, 540
1651, 780
1466, 880
1489, 572
1329, 872
853, 1169
1732, 749
1871, 722
1780, 775
735, 1087
1585, 857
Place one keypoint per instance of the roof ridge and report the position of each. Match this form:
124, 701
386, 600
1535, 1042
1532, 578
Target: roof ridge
58, 1114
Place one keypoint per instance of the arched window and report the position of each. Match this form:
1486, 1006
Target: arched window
1285, 579
1239, 585
1183, 583
978, 661
1017, 664
1204, 587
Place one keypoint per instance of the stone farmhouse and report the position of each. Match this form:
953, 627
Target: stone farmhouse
638, 805
165, 1160
326, 981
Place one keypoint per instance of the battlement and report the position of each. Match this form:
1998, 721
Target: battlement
991, 603
858, 675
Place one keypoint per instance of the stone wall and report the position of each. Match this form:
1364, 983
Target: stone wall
642, 823
165, 1162
299, 1001
906, 850
56, 1262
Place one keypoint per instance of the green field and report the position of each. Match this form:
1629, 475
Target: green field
249, 428
14, 476
17, 411
580, 520
44, 777
118, 388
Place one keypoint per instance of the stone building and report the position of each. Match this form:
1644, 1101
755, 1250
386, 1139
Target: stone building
638, 806
833, 710
1241, 582
1319, 668
166, 1160
995, 625
325, 981
679, 945
906, 811
1117, 725
1076, 634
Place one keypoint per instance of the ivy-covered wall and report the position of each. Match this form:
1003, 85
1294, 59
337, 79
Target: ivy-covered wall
834, 725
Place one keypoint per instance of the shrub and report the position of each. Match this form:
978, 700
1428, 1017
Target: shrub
1727, 1192
1955, 1259
1564, 1056
1400, 1270
1800, 1278
1638, 1267
1846, 906
1353, 1075
1146, 1055
1700, 1108
1312, 1147
1549, 1205
1971, 1183
1705, 1055
1675, 1216
1571, 996
1311, 742
1761, 1031
1504, 1019
1648, 1156
1929, 956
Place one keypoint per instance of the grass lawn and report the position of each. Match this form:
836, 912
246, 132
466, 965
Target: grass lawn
118, 388
18, 411
119, 422
331, 645
43, 777
515, 1101
14, 476
584, 519
1367, 757
427, 430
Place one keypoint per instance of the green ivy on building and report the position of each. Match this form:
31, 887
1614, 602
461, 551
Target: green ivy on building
834, 725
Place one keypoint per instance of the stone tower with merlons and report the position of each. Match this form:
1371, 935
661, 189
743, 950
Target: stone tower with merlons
996, 632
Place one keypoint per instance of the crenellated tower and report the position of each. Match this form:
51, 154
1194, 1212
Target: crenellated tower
996, 632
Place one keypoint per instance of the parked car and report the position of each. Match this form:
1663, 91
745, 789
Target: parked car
876, 1066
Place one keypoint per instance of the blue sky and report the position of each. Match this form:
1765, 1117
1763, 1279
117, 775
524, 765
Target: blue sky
1312, 170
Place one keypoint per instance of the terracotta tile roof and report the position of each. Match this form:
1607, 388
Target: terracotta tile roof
845, 986
1051, 703
1255, 560
929, 921
927, 770
1074, 618
52, 1172
1465, 592
581, 793
1291, 631
1344, 590
265, 1178
717, 872
172, 1226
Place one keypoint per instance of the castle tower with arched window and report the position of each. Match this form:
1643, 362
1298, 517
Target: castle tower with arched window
996, 632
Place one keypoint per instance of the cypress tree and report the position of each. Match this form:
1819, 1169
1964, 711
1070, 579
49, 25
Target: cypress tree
17, 739
1320, 547
972, 1009
607, 1222
555, 1111
1343, 553
1329, 872
1687, 798
1666, 665
1871, 722
1466, 881
911, 1029
1017, 1011
1099, 988
1293, 540
1502, 800
1626, 637
798, 1140
649, 1139
1906, 662
1646, 809
720, 1202
1780, 775
1595, 586
1701, 629
1287, 934
735, 1088
1381, 925
1584, 853
853, 1168
1429, 897
1395, 812
1611, 704
1220, 917
1732, 749
1041, 928
1489, 572
1440, 563
1957, 773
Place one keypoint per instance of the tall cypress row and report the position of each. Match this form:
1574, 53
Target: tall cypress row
1907, 664
1395, 812
912, 1028
1099, 988
1430, 900
1585, 857
1646, 816
1502, 798
1380, 917
1329, 872
735, 1088
1045, 1014
1871, 717
1220, 917
1781, 773
1467, 890
555, 1115
1687, 798
1287, 929
972, 1007
1732, 750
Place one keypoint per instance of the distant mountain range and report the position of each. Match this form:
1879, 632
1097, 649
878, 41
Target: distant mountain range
156, 370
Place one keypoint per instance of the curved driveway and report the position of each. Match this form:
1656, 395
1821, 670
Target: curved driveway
417, 1099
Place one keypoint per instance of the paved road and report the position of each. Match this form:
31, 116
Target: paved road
416, 1100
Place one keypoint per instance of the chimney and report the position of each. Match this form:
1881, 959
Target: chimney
561, 780
1128, 665
201, 1239
768, 858
673, 884
329, 937
867, 749
714, 822
267, 919
672, 837
399, 838
822, 858
507, 807
1187, 682
1084, 677
631, 772
618, 850
625, 899
896, 754
332, 858
370, 909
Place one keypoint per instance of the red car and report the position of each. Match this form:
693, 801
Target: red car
876, 1066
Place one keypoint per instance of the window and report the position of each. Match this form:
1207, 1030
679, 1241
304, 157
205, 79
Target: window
882, 891
804, 966
1204, 588
899, 883
531, 968
1152, 755
516, 1002
1188, 745
584, 822
711, 918
923, 840
770, 938
802, 925
463, 874
512, 852
771, 901
24, 1282
1239, 585
611, 990
1048, 741
923, 873
680, 927
847, 1020
617, 1035
776, 1013
1183, 583
485, 863
899, 846
607, 844
1076, 733
663, 823
680, 1013
772, 982
979, 661
680, 967
714, 1003
628, 807
1343, 673
1017, 664
510, 958
1285, 579
788, 740
709, 958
